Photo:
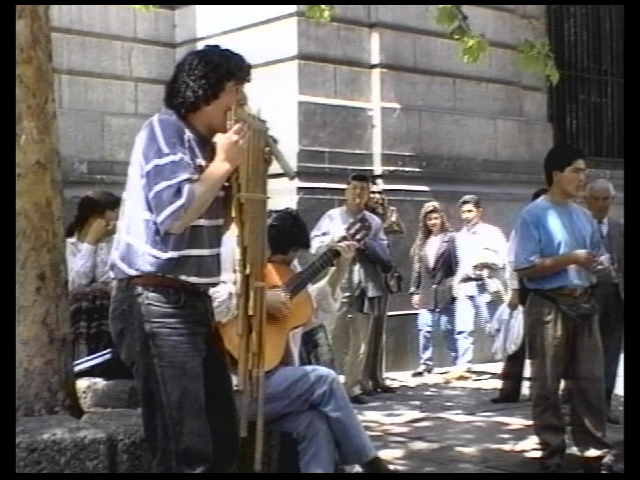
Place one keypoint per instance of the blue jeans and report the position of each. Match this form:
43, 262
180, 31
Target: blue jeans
442, 320
469, 309
188, 410
309, 403
122, 310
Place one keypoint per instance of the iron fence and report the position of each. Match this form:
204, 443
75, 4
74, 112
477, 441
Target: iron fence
586, 107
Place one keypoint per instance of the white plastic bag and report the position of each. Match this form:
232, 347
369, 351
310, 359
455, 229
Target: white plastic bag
507, 330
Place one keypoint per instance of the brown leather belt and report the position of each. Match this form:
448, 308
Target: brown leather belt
167, 282
571, 292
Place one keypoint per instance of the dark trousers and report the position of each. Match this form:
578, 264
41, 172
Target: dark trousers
122, 310
316, 348
513, 368
611, 321
513, 372
375, 352
555, 342
89, 314
188, 409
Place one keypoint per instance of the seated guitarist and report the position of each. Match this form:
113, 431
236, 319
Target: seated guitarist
308, 402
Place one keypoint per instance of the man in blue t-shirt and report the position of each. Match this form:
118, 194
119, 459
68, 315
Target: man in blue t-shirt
558, 253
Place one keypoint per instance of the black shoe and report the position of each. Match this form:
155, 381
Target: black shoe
359, 399
385, 389
506, 398
550, 467
608, 465
592, 465
613, 419
377, 465
421, 370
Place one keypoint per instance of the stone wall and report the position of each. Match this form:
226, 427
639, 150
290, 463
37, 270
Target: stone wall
267, 35
110, 441
379, 88
110, 62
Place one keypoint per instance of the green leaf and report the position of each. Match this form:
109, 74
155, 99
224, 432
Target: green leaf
446, 15
552, 74
458, 32
320, 13
473, 49
144, 8
536, 56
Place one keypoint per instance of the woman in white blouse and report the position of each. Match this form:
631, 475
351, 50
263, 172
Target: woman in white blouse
89, 239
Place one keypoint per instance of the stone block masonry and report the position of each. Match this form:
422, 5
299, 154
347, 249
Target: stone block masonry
110, 62
312, 83
109, 438
101, 442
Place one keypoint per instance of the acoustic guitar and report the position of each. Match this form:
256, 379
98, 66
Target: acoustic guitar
294, 284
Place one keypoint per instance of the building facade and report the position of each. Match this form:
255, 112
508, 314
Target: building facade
379, 90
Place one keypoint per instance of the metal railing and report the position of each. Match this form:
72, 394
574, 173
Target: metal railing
586, 107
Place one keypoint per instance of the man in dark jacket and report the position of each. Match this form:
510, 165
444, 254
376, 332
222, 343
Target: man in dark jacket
513, 369
373, 377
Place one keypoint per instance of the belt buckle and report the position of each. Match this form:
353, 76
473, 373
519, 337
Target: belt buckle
578, 292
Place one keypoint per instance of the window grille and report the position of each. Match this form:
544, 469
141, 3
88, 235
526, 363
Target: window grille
586, 107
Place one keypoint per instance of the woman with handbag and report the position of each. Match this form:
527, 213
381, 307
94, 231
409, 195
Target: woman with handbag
434, 266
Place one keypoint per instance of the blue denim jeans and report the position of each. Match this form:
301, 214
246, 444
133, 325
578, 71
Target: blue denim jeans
188, 409
428, 321
122, 310
471, 310
310, 403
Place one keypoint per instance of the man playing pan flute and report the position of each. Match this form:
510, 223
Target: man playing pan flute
165, 259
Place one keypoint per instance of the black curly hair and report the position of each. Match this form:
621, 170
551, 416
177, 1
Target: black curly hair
94, 203
538, 193
200, 77
286, 232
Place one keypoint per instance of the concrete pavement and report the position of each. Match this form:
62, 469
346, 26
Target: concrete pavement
430, 426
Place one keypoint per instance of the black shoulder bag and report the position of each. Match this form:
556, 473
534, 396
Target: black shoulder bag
578, 312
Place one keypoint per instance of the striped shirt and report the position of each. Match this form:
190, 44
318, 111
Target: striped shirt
167, 158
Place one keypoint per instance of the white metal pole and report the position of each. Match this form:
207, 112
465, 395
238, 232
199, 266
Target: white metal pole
376, 102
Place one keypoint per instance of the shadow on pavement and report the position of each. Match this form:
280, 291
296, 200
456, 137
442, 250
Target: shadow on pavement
433, 427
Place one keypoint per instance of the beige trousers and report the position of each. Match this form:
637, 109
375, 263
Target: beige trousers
349, 332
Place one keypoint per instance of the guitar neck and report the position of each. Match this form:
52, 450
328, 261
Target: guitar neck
303, 278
